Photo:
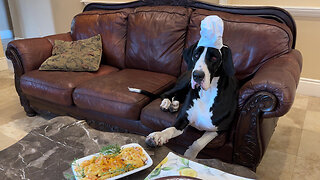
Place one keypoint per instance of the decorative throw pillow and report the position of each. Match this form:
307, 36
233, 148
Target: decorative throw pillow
81, 55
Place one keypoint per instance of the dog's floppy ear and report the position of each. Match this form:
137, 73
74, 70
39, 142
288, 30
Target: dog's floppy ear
187, 55
227, 62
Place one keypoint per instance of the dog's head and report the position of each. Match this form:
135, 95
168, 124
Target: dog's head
206, 63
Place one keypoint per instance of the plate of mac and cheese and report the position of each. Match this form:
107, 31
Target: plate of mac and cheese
112, 162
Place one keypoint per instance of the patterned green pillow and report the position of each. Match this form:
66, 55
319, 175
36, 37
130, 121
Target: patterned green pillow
81, 55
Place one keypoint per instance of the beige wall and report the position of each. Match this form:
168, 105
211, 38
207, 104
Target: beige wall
115, 1
308, 36
211, 1
34, 18
5, 23
14, 9
63, 12
31, 18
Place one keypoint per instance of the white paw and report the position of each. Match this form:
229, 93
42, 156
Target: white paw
174, 107
190, 154
165, 104
156, 139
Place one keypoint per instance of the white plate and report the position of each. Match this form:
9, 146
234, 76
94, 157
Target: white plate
148, 163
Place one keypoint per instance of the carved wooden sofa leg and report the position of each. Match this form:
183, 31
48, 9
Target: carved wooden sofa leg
250, 144
27, 108
23, 99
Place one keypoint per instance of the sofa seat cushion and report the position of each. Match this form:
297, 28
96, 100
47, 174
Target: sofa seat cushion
157, 120
110, 94
57, 86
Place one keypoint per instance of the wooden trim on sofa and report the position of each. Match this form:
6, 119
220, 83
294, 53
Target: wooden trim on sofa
249, 146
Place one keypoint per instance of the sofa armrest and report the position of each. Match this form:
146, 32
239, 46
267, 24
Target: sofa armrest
268, 95
28, 54
278, 76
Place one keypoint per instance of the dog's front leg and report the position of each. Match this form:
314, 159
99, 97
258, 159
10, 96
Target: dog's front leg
172, 98
199, 144
159, 138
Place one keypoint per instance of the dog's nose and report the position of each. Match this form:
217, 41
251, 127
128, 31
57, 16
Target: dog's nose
198, 76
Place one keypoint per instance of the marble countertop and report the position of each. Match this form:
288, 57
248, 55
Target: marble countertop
48, 151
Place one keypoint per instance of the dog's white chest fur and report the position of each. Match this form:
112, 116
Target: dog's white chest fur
199, 114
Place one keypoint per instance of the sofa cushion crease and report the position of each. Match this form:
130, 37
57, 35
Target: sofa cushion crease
110, 94
112, 27
160, 48
53, 86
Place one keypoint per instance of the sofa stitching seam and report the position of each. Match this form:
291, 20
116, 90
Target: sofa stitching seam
81, 93
155, 11
119, 12
45, 84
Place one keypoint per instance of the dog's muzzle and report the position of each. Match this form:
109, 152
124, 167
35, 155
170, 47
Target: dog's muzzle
198, 76
197, 79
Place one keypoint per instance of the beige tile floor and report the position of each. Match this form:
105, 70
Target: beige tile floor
293, 152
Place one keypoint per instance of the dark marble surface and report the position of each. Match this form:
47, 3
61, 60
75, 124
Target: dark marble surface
48, 151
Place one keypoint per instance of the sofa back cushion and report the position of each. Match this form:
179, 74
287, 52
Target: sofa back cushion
111, 25
156, 38
252, 40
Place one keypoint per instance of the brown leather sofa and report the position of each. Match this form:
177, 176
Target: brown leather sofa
142, 47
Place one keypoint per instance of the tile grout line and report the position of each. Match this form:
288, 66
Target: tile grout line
294, 167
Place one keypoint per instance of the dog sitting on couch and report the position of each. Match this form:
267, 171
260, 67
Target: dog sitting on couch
208, 89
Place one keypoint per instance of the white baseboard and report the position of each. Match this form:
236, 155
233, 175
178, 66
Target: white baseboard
304, 11
310, 87
3, 63
17, 38
297, 11
6, 34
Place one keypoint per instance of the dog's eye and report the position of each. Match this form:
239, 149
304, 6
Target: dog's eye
213, 58
196, 56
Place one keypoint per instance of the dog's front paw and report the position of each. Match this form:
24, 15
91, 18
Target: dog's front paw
190, 154
150, 142
174, 107
165, 104
156, 139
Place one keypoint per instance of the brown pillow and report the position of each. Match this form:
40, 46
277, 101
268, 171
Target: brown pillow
81, 55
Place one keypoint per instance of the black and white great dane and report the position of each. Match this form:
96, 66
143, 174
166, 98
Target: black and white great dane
209, 91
